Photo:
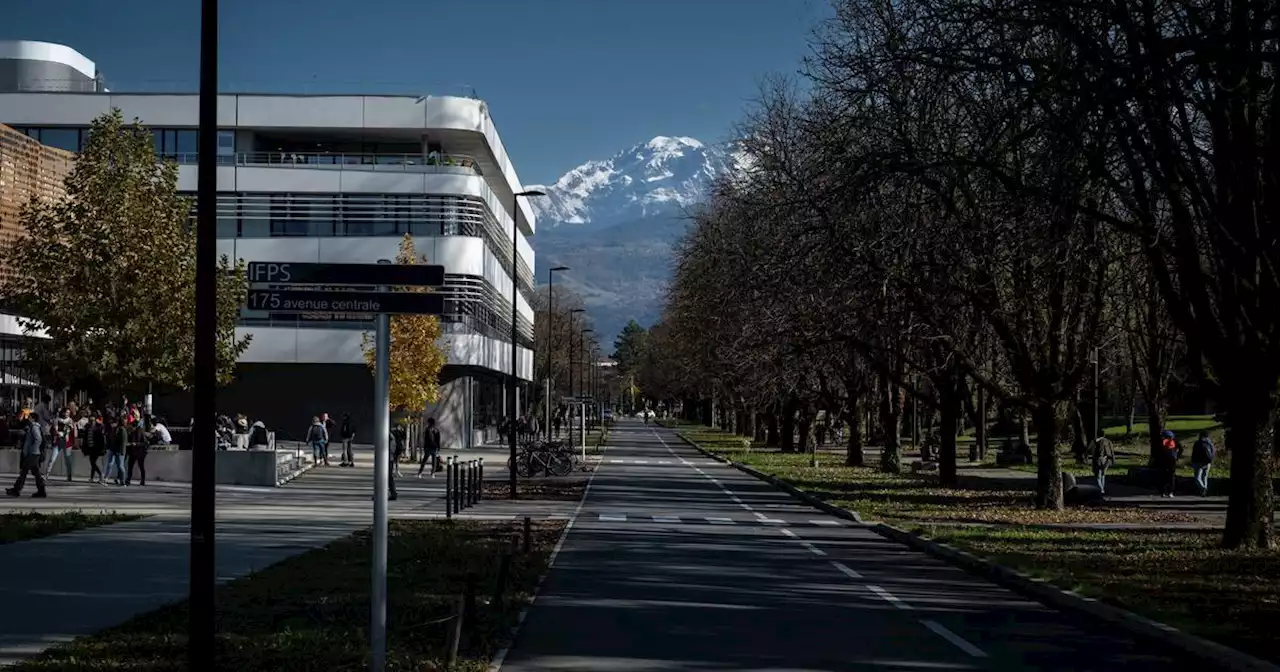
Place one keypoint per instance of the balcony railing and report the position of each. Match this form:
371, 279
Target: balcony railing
414, 163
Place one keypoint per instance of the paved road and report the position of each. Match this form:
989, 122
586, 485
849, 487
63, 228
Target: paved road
676, 562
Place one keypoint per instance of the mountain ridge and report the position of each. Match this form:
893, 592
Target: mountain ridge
614, 222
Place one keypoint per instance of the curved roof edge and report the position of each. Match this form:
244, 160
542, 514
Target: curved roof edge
33, 50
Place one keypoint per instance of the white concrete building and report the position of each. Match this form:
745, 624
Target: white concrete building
341, 179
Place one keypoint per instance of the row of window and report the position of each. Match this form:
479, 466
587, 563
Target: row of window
168, 142
250, 215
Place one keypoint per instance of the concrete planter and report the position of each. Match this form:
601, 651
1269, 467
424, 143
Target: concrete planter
233, 467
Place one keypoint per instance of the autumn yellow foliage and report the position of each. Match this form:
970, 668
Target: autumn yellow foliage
416, 354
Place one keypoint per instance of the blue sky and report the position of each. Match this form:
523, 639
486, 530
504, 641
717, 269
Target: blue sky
567, 80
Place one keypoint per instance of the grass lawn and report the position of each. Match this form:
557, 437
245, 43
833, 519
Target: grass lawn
1180, 578
311, 612
908, 497
27, 525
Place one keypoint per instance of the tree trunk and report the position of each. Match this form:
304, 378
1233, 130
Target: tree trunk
1022, 425
1079, 442
891, 422
787, 427
804, 427
854, 456
1155, 427
950, 410
1250, 438
980, 426
749, 423
1049, 472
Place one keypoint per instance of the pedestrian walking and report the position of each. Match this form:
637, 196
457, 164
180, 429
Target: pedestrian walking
557, 421
1202, 454
318, 437
95, 446
116, 445
399, 437
1168, 465
136, 446
430, 448
348, 433
1103, 455
63, 443
32, 450
330, 431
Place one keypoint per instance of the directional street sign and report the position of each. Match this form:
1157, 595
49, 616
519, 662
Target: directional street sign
303, 301
291, 273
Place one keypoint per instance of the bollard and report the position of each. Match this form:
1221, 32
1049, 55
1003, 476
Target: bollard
528, 533
480, 488
448, 488
475, 482
457, 482
466, 493
455, 637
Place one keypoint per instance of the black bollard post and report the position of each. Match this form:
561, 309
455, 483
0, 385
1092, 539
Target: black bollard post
480, 488
466, 484
448, 488
475, 482
457, 481
528, 533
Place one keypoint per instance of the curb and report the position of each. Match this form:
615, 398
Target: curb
282, 480
1211, 654
780, 484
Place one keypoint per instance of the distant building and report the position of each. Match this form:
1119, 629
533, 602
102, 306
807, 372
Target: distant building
28, 170
27, 65
336, 179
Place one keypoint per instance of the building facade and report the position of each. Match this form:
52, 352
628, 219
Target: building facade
341, 179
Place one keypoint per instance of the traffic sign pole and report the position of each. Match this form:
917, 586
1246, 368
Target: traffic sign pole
381, 473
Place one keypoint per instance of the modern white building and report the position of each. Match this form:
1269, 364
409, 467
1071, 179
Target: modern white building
340, 179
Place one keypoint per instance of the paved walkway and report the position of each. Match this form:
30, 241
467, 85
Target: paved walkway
62, 587
651, 579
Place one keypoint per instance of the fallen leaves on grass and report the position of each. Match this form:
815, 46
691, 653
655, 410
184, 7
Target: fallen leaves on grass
27, 525
311, 612
1178, 577
878, 495
543, 490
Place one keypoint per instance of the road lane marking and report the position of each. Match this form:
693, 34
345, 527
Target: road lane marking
813, 549
615, 461
640, 461
957, 640
607, 518
719, 521
890, 598
824, 522
846, 570
773, 521
664, 461
666, 519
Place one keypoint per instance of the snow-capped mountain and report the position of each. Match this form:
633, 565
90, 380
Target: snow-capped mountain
657, 177
613, 222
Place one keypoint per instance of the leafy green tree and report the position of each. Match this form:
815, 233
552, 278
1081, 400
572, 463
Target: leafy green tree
109, 271
629, 348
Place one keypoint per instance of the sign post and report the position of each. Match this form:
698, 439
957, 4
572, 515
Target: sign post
382, 302
381, 473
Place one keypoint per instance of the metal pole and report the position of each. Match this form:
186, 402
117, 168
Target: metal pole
201, 621
573, 393
515, 259
551, 323
381, 474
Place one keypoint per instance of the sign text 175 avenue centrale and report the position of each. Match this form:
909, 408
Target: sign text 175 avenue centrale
302, 301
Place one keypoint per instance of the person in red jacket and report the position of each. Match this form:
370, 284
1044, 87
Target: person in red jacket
1168, 464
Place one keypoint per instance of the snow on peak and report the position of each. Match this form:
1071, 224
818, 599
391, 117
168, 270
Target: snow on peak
661, 175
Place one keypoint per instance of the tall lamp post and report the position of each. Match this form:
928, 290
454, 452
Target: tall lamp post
582, 376
551, 316
515, 304
572, 392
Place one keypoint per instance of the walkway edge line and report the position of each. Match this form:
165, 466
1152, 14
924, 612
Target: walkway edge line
829, 509
1212, 654
501, 655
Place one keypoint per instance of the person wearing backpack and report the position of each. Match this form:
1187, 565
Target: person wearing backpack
348, 435
318, 437
1202, 454
430, 448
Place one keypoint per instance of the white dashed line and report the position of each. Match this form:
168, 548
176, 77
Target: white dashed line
846, 570
606, 518
719, 521
813, 549
957, 640
666, 519
889, 598
828, 523
640, 462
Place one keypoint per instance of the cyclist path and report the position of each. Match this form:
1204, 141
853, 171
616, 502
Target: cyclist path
675, 562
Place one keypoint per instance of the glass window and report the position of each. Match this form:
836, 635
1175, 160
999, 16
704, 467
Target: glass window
62, 138
284, 218
186, 142
320, 214
228, 227
157, 140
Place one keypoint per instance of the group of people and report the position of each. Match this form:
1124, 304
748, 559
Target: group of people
323, 428
1103, 455
120, 433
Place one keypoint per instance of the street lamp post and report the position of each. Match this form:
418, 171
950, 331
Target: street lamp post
551, 316
515, 305
572, 392
1097, 387
582, 415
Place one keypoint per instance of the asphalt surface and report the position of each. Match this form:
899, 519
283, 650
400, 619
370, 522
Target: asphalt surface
676, 562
